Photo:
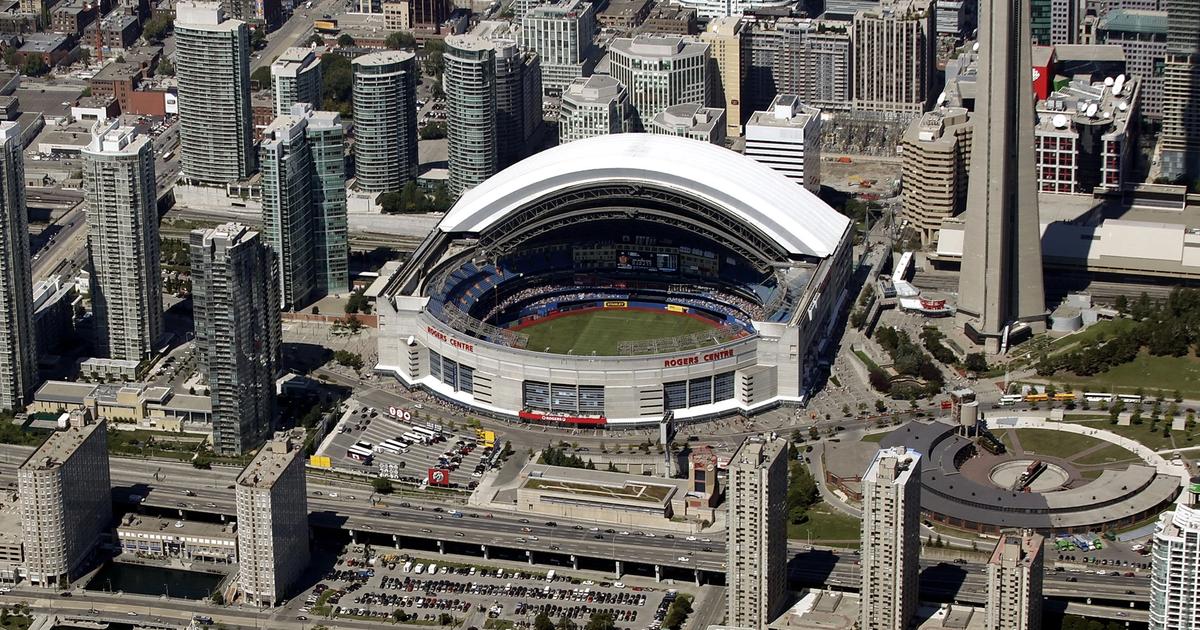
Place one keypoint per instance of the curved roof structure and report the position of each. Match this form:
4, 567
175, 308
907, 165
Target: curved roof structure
777, 207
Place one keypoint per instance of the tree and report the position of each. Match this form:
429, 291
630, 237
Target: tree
157, 27
258, 38
400, 40
391, 202
382, 485
262, 77
165, 68
601, 621
565, 623
337, 83
975, 362
433, 131
1122, 303
345, 40
34, 66
435, 50
348, 359
542, 622
802, 491
85, 57
316, 40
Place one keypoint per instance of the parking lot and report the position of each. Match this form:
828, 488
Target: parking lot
422, 589
457, 451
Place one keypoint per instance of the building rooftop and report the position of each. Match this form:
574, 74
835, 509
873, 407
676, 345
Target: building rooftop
272, 459
1016, 548
11, 532
896, 463
293, 61
1134, 21
651, 46
1105, 103
756, 451
468, 41
932, 126
112, 138
43, 43
597, 485
1089, 52
787, 110
598, 88
384, 58
175, 527
64, 392
836, 610
208, 16
693, 117
59, 447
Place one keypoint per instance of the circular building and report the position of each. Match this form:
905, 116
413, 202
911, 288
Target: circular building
1117, 497
618, 279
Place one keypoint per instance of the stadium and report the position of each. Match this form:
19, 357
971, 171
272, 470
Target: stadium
617, 280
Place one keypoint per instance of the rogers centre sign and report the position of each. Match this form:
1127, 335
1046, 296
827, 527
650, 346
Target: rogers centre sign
699, 358
461, 345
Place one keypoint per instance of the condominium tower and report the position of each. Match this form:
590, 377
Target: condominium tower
893, 57
787, 137
122, 222
235, 304
1000, 284
66, 503
272, 517
729, 60
593, 106
212, 64
561, 33
1015, 583
1181, 92
935, 154
331, 247
891, 539
18, 340
385, 120
660, 71
296, 78
1175, 565
757, 491
470, 84
518, 99
287, 206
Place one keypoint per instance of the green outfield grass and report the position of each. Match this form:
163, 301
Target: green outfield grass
601, 331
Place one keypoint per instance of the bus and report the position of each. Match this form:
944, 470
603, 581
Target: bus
359, 454
430, 434
401, 441
415, 438
1011, 399
1036, 398
1064, 397
388, 446
1097, 397
363, 444
1129, 398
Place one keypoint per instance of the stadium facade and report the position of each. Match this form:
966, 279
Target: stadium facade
621, 221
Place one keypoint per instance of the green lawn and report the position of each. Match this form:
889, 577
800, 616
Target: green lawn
1054, 443
875, 437
1110, 453
826, 523
1110, 327
1153, 374
600, 331
1142, 433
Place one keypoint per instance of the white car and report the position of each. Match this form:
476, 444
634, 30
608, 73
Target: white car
691, 538
683, 558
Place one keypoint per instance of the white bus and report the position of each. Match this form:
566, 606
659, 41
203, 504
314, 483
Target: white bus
1011, 399
1097, 396
360, 454
388, 446
415, 438
365, 445
1130, 398
430, 434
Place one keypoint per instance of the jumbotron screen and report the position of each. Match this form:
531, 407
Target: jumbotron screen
645, 261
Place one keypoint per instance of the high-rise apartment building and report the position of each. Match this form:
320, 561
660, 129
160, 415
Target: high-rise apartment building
18, 337
1142, 35
891, 539
894, 57
724, 38
331, 246
470, 84
935, 154
272, 517
561, 34
66, 502
212, 65
593, 106
1180, 138
808, 58
1175, 565
287, 206
122, 222
296, 78
385, 120
787, 137
757, 498
1015, 583
691, 120
1040, 21
518, 91
268, 12
235, 299
1000, 285
660, 71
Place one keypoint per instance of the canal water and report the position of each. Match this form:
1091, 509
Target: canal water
151, 580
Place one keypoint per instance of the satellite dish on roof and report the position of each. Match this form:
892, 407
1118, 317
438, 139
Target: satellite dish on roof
1059, 121
1119, 85
1123, 106
975, 47
941, 99
1091, 110
1108, 81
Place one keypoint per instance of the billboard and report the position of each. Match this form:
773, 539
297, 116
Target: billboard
486, 438
645, 261
439, 477
320, 461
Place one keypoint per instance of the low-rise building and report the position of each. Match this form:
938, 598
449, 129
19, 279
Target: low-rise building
624, 14
119, 80
154, 537
670, 19
691, 120
70, 18
151, 407
617, 498
52, 48
113, 34
12, 538
787, 137
593, 106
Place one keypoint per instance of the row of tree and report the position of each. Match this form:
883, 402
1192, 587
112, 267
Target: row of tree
598, 621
